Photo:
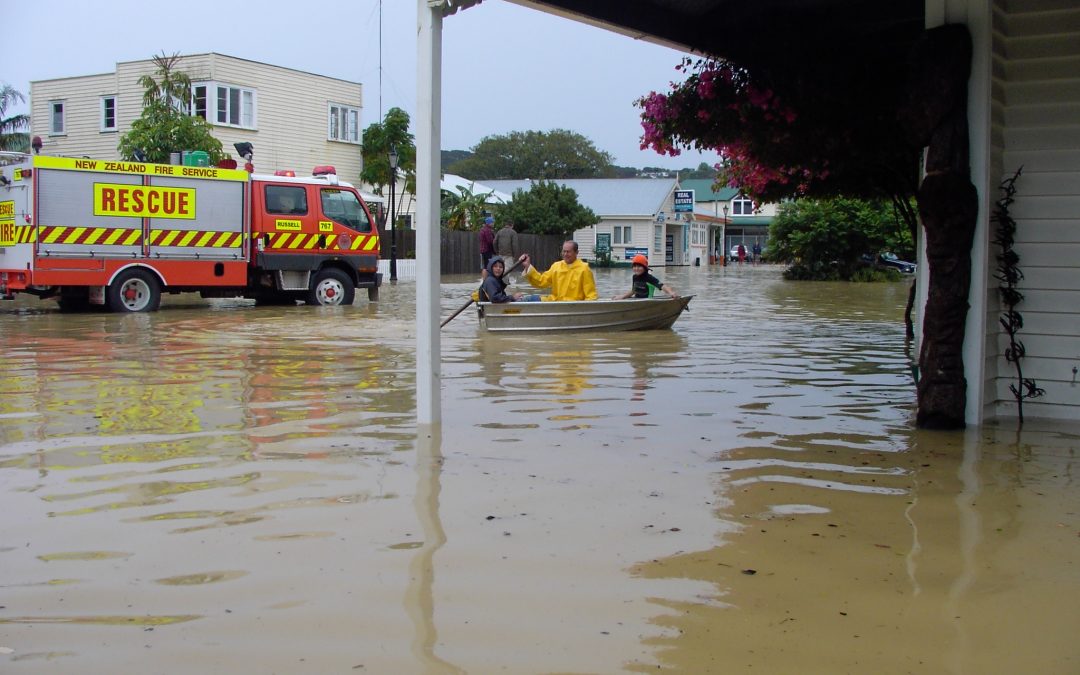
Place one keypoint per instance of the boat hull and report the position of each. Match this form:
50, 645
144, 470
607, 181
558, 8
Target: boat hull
587, 315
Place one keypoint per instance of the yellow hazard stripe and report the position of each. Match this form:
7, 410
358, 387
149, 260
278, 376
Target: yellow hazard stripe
93, 237
54, 234
197, 238
73, 236
303, 241
121, 237
80, 236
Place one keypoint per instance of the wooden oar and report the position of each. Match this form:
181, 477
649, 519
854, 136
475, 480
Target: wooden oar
471, 301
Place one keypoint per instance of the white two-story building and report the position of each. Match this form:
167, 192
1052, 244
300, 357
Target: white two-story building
294, 119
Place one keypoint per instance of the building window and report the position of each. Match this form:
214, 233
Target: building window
108, 113
622, 234
223, 104
236, 107
56, 117
741, 206
344, 123
198, 100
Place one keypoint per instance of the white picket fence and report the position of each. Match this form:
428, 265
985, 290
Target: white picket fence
406, 269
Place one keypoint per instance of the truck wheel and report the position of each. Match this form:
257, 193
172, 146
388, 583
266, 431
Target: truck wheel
135, 290
73, 300
331, 287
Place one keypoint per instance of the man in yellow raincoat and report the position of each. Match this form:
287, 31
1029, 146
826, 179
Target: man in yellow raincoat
569, 278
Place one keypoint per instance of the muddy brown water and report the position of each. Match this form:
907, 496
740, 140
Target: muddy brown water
223, 488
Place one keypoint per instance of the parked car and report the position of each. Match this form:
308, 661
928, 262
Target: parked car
890, 260
734, 255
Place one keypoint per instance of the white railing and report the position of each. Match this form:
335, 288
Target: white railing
406, 269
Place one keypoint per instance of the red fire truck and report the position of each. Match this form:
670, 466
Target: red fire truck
94, 232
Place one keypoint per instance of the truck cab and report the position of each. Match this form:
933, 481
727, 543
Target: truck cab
313, 239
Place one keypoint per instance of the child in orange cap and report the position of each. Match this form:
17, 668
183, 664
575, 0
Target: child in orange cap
644, 284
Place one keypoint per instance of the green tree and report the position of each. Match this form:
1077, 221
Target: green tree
826, 239
463, 211
548, 208
535, 154
450, 157
704, 170
165, 125
12, 136
392, 132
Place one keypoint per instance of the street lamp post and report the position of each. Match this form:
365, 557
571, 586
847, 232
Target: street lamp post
723, 238
393, 228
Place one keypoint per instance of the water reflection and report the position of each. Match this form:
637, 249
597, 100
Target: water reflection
744, 492
419, 598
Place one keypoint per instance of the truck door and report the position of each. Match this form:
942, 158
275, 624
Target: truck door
285, 219
347, 223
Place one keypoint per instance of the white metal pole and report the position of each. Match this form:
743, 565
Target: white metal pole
428, 144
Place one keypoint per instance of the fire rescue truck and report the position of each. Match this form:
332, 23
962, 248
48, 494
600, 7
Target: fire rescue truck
116, 233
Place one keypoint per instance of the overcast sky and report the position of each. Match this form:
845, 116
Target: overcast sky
505, 68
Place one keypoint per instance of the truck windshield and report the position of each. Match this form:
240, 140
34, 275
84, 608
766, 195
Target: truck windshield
342, 206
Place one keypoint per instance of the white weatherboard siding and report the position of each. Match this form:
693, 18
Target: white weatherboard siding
619, 202
291, 112
82, 116
1036, 124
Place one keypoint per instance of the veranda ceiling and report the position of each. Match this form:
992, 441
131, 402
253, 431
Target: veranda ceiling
792, 34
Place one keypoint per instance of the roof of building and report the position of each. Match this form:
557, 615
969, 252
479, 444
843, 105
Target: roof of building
705, 190
749, 221
608, 196
452, 184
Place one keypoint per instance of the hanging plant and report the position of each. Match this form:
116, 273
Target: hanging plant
1009, 275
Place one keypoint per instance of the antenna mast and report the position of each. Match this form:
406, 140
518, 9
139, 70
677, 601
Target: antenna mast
380, 61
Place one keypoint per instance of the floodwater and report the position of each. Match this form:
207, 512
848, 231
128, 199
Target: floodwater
220, 488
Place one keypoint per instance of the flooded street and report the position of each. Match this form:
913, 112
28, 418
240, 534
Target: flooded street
223, 488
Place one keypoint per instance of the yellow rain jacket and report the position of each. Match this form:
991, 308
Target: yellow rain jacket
567, 282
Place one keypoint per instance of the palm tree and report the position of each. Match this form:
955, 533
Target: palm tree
172, 87
12, 138
464, 211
